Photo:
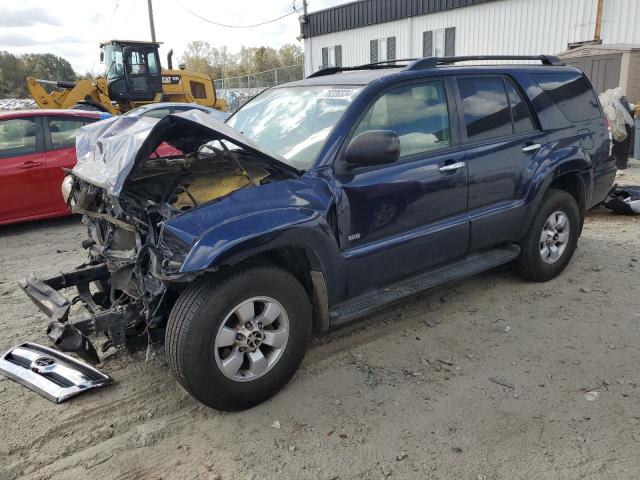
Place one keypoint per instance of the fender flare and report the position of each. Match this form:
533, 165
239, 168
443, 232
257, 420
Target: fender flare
225, 244
567, 161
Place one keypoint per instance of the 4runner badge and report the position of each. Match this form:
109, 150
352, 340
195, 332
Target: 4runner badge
355, 236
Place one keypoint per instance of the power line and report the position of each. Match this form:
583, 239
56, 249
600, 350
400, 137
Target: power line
237, 26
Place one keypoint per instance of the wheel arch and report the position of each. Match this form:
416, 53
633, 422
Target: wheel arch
571, 172
305, 245
304, 264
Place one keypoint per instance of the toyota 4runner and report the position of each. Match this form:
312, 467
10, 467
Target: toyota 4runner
318, 202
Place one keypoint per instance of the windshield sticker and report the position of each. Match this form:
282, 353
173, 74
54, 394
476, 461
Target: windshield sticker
339, 94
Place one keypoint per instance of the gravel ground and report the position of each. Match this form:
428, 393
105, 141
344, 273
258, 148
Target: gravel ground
485, 379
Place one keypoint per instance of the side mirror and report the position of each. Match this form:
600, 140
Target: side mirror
126, 55
375, 147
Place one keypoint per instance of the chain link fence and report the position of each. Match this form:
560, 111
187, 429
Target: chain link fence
238, 90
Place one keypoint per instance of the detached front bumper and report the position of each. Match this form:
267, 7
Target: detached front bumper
73, 336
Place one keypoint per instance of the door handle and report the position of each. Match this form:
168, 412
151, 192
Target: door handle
29, 164
451, 167
531, 147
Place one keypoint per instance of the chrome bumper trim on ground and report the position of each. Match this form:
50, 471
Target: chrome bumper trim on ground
50, 373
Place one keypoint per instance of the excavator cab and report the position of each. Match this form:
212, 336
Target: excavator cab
133, 70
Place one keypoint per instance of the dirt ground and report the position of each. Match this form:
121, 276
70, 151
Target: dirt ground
404, 394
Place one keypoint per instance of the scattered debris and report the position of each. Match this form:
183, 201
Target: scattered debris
585, 290
401, 456
592, 396
507, 329
502, 381
276, 425
624, 199
446, 361
457, 450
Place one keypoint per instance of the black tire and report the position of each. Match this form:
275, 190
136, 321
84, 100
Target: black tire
530, 264
197, 316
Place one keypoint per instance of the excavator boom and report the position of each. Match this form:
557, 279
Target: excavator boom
83, 92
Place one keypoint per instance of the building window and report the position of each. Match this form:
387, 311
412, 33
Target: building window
382, 50
332, 56
331, 61
438, 43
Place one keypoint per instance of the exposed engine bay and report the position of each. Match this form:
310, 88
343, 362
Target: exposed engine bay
133, 273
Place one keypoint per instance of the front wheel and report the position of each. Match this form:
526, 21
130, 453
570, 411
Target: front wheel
234, 343
551, 239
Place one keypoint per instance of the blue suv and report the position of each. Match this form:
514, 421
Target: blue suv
318, 202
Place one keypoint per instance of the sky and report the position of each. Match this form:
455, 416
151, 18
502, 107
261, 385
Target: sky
73, 28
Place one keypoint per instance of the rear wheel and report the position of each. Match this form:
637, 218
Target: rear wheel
235, 343
551, 239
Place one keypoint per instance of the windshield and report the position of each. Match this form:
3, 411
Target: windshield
113, 61
294, 122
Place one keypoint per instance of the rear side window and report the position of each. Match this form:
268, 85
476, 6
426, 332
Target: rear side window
18, 137
522, 121
572, 93
64, 130
486, 108
417, 113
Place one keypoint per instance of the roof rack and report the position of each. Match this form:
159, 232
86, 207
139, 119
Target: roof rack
433, 62
386, 62
369, 66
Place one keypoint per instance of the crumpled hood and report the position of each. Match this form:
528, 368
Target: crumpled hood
109, 150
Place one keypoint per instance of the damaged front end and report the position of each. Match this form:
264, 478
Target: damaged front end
133, 176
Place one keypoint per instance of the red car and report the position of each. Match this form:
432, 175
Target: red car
35, 145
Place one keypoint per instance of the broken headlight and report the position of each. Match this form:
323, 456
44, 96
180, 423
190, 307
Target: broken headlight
174, 251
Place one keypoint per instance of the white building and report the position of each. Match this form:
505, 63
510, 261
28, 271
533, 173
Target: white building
376, 30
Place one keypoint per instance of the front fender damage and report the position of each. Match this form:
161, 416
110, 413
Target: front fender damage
133, 178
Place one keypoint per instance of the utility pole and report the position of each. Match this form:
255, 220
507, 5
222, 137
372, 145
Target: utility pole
153, 28
304, 7
598, 32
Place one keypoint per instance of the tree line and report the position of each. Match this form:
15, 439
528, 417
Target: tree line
14, 70
220, 63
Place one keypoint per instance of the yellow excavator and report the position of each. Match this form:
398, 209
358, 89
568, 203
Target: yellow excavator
134, 77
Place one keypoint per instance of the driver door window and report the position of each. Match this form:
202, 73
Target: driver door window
417, 113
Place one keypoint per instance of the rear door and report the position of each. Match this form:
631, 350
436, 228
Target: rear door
406, 216
503, 140
60, 145
24, 191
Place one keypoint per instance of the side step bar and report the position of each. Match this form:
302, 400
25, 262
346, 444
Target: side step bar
456, 270
50, 373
